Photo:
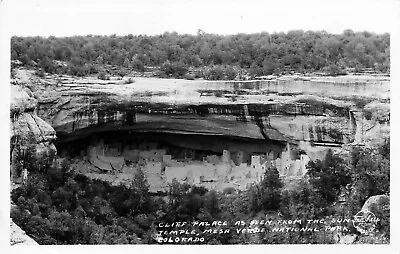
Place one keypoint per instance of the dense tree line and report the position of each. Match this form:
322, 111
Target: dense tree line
213, 56
57, 206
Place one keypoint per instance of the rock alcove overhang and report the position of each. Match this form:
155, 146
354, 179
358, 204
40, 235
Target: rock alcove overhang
242, 120
210, 128
319, 108
285, 111
231, 123
204, 143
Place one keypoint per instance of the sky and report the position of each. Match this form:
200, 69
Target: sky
72, 17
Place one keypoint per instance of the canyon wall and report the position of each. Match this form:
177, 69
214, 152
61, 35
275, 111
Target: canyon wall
314, 114
27, 129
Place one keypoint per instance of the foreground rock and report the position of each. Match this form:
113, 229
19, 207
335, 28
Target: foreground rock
376, 229
348, 239
377, 204
18, 237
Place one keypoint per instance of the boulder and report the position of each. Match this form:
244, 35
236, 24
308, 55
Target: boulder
19, 237
20, 100
377, 204
348, 239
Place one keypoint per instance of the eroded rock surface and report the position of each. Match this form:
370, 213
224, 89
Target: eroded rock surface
348, 239
18, 237
377, 204
27, 129
315, 110
312, 115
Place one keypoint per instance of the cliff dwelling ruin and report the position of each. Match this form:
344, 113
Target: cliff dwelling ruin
214, 162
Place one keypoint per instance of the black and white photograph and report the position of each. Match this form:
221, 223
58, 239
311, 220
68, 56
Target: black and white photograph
197, 122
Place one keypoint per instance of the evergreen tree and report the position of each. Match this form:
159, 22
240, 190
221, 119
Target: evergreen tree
328, 176
140, 194
271, 188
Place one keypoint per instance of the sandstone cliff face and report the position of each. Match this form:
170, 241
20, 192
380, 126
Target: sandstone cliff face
26, 127
18, 237
328, 112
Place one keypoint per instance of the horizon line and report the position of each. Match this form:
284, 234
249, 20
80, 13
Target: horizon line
204, 32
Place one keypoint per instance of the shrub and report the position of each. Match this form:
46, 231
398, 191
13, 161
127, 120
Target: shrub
175, 69
40, 73
103, 76
367, 114
129, 81
138, 65
334, 70
229, 190
230, 73
77, 70
215, 73
218, 93
189, 76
